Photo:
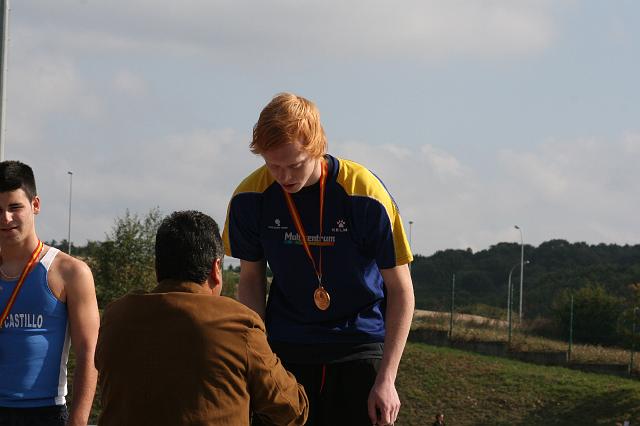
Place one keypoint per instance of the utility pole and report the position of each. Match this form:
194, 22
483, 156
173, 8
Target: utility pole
521, 268
410, 246
70, 173
453, 296
4, 35
633, 340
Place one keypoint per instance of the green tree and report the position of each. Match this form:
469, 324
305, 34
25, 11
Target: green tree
125, 260
595, 314
230, 278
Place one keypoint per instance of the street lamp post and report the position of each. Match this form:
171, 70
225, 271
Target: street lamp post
410, 246
509, 301
521, 268
70, 173
4, 37
510, 297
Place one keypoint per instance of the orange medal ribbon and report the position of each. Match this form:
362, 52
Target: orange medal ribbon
27, 268
320, 296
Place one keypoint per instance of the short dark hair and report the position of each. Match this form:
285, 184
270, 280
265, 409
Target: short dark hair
187, 244
17, 175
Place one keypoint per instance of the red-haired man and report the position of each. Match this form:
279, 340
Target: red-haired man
341, 299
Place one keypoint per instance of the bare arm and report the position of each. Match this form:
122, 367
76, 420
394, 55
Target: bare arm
383, 398
252, 286
84, 321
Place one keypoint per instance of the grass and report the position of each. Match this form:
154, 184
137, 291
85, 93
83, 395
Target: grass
472, 389
522, 342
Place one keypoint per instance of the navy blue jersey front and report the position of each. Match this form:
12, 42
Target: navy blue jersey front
362, 233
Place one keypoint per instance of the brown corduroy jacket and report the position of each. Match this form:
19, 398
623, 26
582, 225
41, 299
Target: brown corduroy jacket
178, 356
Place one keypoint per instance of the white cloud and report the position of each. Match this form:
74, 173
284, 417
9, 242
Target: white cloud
130, 83
559, 171
581, 190
94, 88
442, 163
541, 174
41, 84
288, 30
196, 170
430, 186
46, 96
199, 170
631, 143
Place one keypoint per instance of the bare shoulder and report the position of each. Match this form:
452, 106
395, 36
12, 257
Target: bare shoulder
69, 267
68, 275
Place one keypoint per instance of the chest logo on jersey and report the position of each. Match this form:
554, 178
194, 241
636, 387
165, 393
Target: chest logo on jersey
341, 226
312, 240
276, 225
23, 320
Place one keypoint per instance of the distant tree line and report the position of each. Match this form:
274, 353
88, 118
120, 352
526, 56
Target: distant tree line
125, 260
604, 280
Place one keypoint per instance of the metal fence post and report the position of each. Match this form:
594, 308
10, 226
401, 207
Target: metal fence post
570, 330
453, 296
633, 340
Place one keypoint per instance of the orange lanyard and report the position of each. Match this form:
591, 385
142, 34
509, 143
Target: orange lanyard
27, 268
298, 222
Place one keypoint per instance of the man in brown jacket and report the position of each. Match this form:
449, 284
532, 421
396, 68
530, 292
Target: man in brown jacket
181, 355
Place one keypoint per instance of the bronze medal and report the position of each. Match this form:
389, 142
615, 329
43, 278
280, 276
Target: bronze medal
320, 295
321, 298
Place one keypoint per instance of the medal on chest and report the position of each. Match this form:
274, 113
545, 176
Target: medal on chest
321, 297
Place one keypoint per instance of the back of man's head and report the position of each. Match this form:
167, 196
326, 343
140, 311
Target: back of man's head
187, 244
16, 175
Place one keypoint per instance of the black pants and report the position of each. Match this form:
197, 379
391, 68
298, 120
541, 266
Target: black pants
338, 393
55, 415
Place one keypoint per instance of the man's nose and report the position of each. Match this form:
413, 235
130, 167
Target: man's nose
284, 175
5, 216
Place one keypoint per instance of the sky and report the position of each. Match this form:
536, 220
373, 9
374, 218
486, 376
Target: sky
477, 115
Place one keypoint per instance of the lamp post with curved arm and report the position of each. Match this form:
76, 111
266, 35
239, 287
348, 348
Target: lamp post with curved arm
509, 299
70, 173
410, 246
4, 44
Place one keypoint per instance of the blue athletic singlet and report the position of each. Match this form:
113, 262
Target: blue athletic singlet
34, 342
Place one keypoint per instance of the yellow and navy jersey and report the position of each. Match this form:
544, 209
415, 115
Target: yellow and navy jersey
362, 233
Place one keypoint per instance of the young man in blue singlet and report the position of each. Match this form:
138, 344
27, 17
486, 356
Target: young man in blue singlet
341, 300
47, 302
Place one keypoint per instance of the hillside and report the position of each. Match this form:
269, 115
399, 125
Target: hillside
555, 265
474, 389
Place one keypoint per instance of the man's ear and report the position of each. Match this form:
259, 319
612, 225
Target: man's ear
215, 278
36, 204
